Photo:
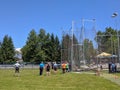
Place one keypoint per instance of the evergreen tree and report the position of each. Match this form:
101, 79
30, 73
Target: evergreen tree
57, 49
7, 50
0, 53
41, 47
66, 47
42, 40
52, 48
29, 50
47, 47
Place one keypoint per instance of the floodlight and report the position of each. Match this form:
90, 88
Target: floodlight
114, 14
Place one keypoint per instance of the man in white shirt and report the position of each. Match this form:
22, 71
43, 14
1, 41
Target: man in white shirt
17, 66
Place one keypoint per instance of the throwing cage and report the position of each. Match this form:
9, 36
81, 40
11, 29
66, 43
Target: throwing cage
78, 44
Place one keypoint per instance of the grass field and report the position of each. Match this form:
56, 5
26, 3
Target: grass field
29, 79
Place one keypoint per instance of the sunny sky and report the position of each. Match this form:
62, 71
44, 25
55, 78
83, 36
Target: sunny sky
19, 17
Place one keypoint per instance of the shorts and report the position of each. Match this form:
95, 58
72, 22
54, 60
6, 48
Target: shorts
16, 69
48, 70
55, 68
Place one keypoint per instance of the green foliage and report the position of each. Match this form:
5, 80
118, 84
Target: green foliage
44, 41
7, 50
29, 50
55, 48
66, 47
107, 41
41, 47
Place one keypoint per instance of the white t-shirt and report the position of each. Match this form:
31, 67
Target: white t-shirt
17, 65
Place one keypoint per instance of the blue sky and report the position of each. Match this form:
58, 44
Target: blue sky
19, 17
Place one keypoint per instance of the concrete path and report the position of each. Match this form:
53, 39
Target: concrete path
112, 77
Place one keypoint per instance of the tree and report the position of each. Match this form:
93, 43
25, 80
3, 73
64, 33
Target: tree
7, 50
0, 54
66, 47
41, 47
29, 50
55, 49
42, 44
107, 41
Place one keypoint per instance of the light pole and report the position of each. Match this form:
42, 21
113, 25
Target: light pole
72, 30
115, 14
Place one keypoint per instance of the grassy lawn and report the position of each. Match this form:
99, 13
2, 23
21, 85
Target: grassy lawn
29, 79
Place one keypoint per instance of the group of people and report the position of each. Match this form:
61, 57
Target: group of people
54, 66
112, 67
42, 66
65, 67
47, 68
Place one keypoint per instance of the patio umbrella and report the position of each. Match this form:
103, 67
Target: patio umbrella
104, 54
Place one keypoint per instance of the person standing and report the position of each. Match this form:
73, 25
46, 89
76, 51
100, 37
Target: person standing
17, 66
55, 67
109, 67
67, 67
52, 64
113, 67
47, 69
63, 67
41, 67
